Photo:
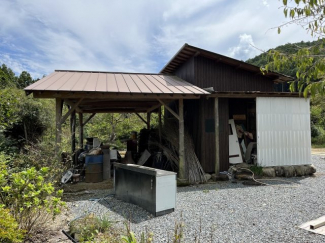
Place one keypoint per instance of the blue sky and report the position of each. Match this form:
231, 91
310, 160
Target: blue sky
40, 36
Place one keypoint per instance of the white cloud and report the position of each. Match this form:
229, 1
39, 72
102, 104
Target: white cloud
139, 36
245, 48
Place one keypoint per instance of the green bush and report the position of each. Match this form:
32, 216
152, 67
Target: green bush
9, 231
27, 194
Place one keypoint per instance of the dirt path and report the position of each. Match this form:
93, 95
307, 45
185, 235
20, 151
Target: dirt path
318, 151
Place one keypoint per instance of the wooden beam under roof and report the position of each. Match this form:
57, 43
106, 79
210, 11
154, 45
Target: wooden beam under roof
103, 95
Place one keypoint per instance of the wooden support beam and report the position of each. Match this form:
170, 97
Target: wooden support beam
181, 167
141, 118
72, 109
159, 124
104, 95
148, 120
154, 108
73, 131
58, 116
170, 110
81, 131
88, 119
216, 134
70, 103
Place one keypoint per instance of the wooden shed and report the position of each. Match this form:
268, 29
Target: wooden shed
279, 121
241, 91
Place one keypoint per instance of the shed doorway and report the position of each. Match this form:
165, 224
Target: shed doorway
242, 130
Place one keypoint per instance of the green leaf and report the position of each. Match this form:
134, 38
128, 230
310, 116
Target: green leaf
279, 30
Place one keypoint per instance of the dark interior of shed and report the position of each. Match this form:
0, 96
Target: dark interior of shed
243, 111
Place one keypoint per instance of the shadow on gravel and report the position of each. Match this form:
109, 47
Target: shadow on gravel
130, 212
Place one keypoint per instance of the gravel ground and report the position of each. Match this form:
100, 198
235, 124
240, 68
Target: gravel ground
227, 212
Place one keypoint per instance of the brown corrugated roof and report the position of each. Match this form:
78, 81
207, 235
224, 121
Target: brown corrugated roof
109, 82
188, 51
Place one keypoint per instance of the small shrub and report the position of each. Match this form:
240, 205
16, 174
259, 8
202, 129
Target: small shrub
87, 228
9, 231
257, 170
30, 199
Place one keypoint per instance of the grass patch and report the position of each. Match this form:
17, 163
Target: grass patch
91, 227
257, 170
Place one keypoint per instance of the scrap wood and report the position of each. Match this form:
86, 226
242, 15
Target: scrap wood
170, 148
316, 226
144, 157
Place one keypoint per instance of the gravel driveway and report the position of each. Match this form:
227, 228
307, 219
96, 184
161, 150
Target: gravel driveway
227, 212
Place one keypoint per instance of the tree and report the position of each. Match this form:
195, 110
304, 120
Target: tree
309, 61
7, 77
24, 80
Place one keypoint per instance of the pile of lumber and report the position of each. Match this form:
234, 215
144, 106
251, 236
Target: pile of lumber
169, 148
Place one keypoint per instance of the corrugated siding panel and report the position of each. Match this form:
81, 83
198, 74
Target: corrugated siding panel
283, 131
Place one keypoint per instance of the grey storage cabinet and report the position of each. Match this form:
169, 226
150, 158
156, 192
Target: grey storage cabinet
152, 189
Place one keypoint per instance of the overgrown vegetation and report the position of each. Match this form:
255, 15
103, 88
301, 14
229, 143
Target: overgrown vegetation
28, 195
94, 229
9, 228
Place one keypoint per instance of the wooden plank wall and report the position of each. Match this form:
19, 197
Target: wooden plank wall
186, 71
207, 155
222, 77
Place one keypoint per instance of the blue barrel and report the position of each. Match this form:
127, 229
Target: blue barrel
94, 168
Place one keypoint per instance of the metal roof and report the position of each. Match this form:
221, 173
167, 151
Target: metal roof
114, 82
188, 51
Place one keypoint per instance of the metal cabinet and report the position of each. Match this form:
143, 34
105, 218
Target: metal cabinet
152, 189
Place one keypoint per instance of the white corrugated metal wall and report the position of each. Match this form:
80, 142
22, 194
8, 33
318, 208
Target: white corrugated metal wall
283, 131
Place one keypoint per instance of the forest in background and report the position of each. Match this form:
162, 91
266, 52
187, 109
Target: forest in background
317, 105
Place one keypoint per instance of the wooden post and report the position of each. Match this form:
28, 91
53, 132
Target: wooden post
182, 170
148, 120
73, 131
58, 115
81, 131
216, 134
159, 124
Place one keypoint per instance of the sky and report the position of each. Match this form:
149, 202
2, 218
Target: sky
40, 36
